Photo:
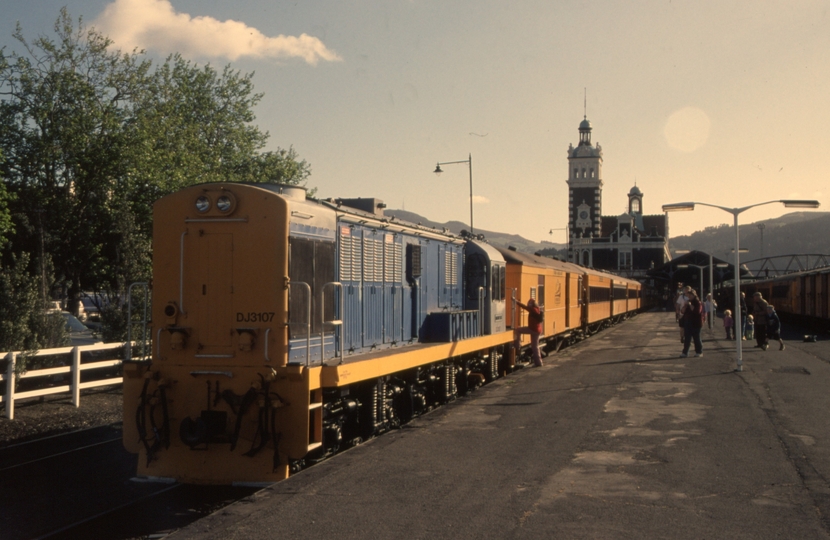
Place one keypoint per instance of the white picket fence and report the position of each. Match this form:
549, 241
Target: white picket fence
75, 385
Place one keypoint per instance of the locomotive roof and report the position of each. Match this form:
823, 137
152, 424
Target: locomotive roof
386, 222
517, 257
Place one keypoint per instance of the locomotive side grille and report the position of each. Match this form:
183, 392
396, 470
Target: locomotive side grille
450, 268
346, 257
368, 259
398, 277
356, 261
378, 263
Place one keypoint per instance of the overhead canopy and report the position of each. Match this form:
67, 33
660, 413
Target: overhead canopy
670, 274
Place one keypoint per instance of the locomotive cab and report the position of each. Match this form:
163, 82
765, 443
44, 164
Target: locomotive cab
484, 285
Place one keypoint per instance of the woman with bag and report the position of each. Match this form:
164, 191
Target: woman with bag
693, 315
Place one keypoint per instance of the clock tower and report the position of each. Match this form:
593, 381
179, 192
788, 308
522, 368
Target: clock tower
584, 195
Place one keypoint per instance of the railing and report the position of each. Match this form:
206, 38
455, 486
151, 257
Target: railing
75, 385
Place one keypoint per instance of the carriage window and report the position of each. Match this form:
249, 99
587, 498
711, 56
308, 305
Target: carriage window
476, 269
494, 283
503, 282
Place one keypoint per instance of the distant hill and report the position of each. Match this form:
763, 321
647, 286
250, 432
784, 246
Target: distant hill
791, 234
502, 240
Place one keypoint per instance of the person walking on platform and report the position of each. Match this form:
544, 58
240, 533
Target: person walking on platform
711, 308
679, 304
759, 312
728, 324
774, 326
744, 316
534, 328
692, 320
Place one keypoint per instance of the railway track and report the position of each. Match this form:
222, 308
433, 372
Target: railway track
80, 485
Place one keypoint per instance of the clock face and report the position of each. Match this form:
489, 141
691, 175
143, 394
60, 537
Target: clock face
583, 215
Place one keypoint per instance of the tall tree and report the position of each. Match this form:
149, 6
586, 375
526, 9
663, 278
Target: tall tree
92, 136
192, 124
61, 129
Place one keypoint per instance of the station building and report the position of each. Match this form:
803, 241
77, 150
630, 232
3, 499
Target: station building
629, 244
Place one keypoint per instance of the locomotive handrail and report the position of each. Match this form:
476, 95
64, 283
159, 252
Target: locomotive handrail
129, 353
513, 305
481, 295
336, 322
308, 318
181, 273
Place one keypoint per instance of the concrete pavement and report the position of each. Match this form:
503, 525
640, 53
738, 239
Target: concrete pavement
616, 437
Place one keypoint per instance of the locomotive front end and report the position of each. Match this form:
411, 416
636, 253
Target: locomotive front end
219, 402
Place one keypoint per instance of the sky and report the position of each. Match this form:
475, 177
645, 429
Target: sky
716, 101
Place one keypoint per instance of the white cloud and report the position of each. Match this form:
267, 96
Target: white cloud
155, 25
480, 199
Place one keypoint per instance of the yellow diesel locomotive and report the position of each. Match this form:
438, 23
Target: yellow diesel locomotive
285, 329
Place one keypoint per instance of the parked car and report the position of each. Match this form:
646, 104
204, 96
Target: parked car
79, 334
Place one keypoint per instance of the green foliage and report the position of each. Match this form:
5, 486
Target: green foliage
114, 323
92, 137
25, 324
6, 226
62, 134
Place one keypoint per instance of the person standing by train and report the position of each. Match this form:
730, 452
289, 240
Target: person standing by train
759, 312
680, 303
693, 315
711, 307
744, 313
774, 326
534, 328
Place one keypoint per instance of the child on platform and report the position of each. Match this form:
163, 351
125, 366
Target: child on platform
729, 324
750, 327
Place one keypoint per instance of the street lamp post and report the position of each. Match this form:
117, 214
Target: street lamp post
688, 206
469, 162
567, 239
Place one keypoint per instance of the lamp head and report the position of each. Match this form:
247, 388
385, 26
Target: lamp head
800, 204
438, 170
679, 207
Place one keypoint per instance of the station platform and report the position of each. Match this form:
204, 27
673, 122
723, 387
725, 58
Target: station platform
615, 437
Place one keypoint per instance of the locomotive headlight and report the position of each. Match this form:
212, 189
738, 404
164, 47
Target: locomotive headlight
224, 203
202, 204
